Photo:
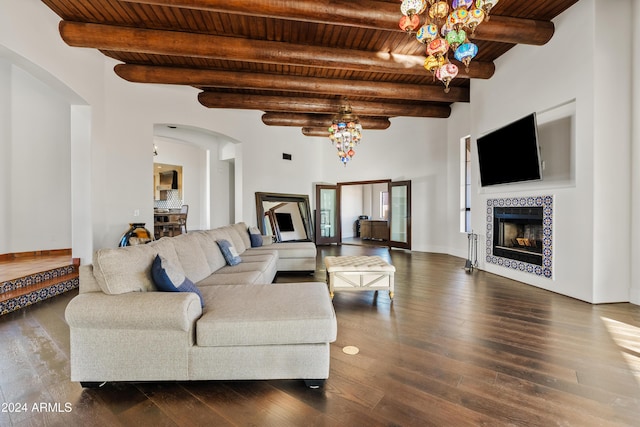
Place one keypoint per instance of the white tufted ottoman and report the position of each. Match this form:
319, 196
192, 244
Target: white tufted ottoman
359, 273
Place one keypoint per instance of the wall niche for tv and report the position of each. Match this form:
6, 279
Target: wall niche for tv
556, 138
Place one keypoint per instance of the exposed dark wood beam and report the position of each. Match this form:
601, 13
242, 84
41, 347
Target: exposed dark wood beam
319, 105
176, 43
367, 14
318, 120
242, 80
315, 131
515, 30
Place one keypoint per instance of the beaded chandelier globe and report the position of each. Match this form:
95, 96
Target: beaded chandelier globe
345, 132
447, 28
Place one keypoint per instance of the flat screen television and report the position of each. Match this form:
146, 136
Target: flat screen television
510, 154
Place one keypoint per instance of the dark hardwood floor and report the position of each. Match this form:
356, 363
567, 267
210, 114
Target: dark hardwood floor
453, 349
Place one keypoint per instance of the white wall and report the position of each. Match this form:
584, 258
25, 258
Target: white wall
81, 169
43, 55
36, 144
635, 155
43, 201
584, 207
351, 207
458, 127
5, 155
612, 152
376, 190
266, 171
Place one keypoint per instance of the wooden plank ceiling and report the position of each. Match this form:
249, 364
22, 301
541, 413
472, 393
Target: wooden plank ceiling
294, 60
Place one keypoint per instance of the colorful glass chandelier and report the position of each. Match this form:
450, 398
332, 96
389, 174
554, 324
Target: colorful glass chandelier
447, 28
345, 132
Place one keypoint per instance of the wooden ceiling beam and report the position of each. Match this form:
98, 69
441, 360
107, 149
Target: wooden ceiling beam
295, 104
366, 14
318, 120
315, 131
515, 30
177, 43
318, 131
243, 80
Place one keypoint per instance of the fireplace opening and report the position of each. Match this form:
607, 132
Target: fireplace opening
518, 233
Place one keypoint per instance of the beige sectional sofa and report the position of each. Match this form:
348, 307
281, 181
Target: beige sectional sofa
123, 329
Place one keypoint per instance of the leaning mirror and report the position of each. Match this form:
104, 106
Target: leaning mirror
287, 217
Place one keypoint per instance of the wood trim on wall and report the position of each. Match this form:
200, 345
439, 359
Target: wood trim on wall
32, 254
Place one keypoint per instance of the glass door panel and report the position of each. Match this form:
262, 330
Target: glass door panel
327, 214
400, 215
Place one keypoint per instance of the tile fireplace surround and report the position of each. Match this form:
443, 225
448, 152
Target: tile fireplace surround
546, 203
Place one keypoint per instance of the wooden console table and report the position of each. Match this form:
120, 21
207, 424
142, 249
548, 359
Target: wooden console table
374, 229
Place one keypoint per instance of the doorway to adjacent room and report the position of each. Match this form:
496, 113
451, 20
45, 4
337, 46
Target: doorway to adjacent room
364, 213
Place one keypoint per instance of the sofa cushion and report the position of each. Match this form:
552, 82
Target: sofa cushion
290, 249
235, 238
164, 247
218, 234
88, 282
256, 256
255, 237
283, 313
229, 252
122, 270
243, 231
233, 277
211, 250
267, 268
167, 278
192, 257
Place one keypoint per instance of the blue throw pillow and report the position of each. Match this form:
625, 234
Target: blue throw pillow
229, 252
169, 279
255, 237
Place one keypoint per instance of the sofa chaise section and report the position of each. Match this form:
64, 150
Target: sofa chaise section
264, 331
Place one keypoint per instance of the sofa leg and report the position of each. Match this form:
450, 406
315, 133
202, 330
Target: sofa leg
92, 384
313, 384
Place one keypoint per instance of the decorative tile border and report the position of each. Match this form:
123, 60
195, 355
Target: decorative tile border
36, 278
547, 232
38, 295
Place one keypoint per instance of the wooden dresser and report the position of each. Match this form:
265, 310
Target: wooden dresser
374, 229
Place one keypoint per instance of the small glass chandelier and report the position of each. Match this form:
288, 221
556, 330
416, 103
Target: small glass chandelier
345, 132
447, 27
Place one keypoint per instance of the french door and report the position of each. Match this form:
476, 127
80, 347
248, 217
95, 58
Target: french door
328, 228
400, 214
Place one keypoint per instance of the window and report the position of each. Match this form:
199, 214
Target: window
465, 185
